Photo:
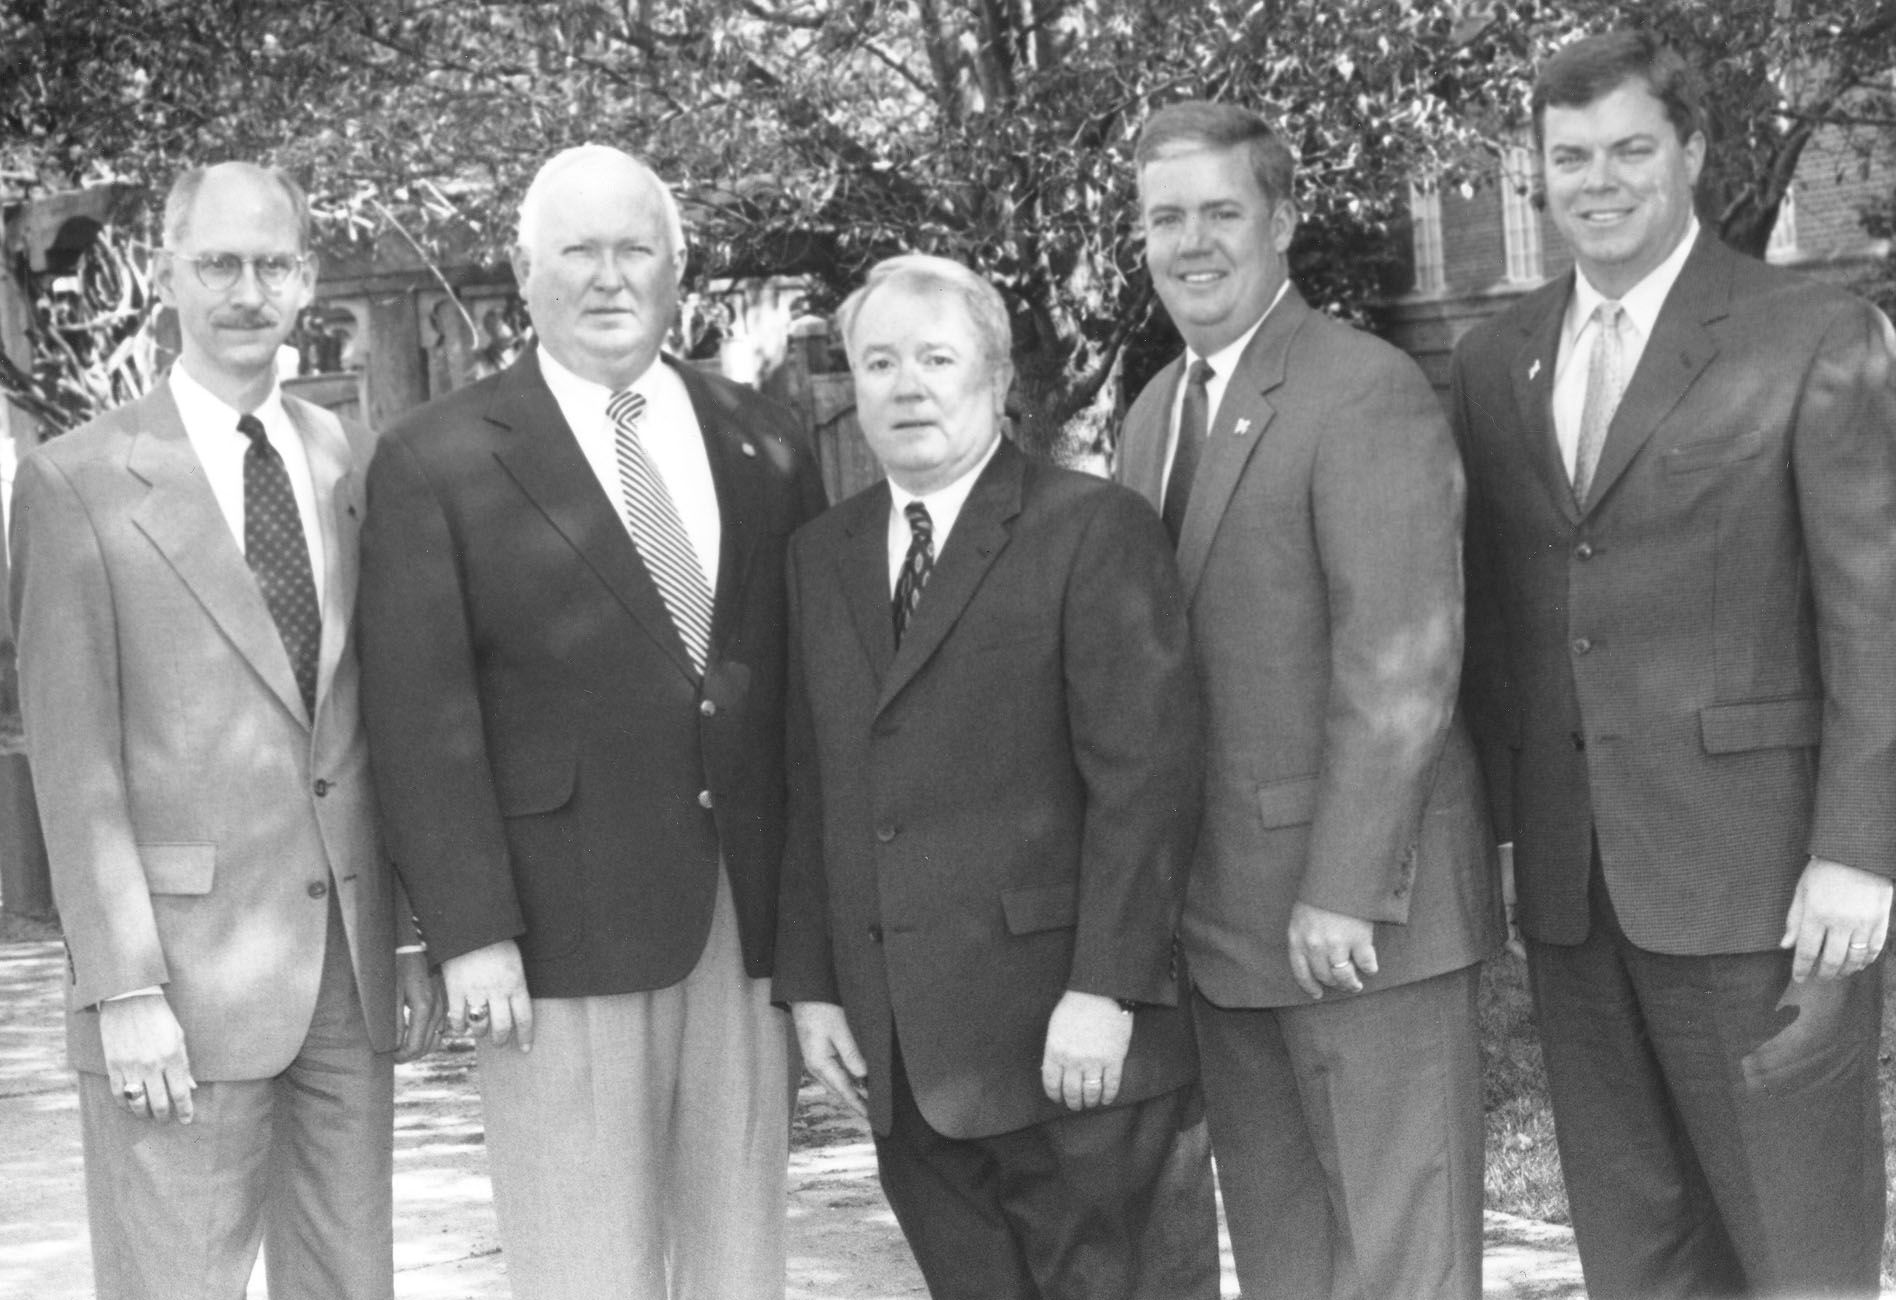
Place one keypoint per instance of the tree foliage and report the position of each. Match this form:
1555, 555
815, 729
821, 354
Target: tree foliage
815, 136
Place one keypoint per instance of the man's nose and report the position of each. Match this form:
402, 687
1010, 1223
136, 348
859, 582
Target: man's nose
248, 291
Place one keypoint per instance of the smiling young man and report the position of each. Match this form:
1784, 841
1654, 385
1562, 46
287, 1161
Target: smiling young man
573, 665
1682, 634
1343, 889
995, 743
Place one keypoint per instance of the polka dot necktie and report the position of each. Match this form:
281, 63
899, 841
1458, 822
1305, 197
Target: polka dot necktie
916, 566
659, 532
278, 554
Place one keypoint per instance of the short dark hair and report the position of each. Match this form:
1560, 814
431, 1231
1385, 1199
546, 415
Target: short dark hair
184, 192
1598, 65
1201, 124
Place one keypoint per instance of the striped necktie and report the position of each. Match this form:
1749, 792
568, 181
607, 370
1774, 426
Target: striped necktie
659, 533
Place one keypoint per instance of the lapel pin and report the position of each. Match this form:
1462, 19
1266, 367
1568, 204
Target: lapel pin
1533, 370
1243, 427
750, 449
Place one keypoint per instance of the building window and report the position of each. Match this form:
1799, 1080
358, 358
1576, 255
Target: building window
1520, 218
1783, 245
1425, 217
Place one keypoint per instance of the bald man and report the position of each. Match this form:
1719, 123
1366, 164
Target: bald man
573, 653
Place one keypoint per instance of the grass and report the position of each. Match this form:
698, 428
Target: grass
1523, 1168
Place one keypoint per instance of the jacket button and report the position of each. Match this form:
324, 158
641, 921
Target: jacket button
318, 889
875, 934
885, 833
1584, 551
1579, 740
704, 798
708, 708
322, 787
1581, 645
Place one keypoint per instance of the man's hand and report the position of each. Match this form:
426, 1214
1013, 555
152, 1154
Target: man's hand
1087, 1038
1839, 918
1330, 950
421, 1006
145, 1057
1516, 945
487, 994
830, 1053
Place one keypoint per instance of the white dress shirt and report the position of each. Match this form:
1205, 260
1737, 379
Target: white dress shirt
212, 429
1642, 304
1223, 363
668, 430
944, 507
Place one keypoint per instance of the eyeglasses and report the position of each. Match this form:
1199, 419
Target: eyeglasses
220, 271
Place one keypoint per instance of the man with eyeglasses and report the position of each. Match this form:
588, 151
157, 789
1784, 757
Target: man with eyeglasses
243, 975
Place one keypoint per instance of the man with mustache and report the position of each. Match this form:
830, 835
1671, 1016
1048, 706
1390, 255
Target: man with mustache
184, 572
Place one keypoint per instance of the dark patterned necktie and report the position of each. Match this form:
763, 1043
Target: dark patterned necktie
916, 566
659, 532
1193, 416
278, 554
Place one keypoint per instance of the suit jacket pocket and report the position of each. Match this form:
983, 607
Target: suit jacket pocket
531, 784
179, 868
1762, 724
1041, 907
1287, 803
1710, 453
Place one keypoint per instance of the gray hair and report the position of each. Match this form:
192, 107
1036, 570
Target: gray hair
582, 155
987, 310
184, 193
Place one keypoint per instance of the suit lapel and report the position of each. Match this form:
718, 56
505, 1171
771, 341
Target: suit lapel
181, 516
863, 565
1244, 414
541, 454
1533, 375
979, 534
1679, 350
1142, 443
737, 476
339, 515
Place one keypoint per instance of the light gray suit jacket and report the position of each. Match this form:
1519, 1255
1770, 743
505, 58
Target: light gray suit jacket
196, 816
1321, 558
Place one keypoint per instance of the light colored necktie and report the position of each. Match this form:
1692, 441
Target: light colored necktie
659, 533
1606, 381
278, 554
916, 566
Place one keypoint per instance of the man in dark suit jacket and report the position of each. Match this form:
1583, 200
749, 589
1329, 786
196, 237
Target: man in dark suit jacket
1344, 887
1682, 648
573, 630
184, 570
995, 740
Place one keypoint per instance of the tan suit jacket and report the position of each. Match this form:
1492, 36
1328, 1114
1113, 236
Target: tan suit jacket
196, 817
1321, 557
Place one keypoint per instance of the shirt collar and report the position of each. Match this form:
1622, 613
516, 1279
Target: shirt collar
1644, 300
1225, 359
944, 503
204, 410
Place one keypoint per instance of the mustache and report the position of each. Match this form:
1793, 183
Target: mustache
248, 320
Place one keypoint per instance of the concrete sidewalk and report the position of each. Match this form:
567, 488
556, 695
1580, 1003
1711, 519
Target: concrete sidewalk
843, 1241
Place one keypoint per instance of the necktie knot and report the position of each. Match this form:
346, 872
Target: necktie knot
920, 524
624, 410
1201, 373
252, 428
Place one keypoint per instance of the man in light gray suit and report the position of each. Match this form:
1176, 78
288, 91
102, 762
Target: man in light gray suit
1344, 885
184, 569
